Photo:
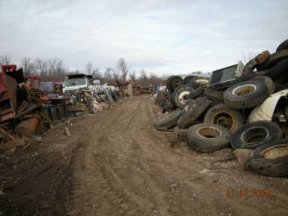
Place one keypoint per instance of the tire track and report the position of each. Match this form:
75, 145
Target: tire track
128, 168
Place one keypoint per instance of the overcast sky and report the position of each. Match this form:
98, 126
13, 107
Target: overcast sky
161, 36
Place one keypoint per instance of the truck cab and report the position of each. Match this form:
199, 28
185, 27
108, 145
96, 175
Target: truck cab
74, 82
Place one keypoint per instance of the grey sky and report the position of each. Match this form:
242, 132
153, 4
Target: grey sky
162, 36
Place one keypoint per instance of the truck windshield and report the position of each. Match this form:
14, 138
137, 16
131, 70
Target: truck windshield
75, 82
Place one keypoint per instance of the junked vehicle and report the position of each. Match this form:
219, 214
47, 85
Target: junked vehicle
74, 82
246, 103
223, 77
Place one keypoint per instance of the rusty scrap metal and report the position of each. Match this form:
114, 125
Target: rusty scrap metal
7, 141
8, 88
29, 126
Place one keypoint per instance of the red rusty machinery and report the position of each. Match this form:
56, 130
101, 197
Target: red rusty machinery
8, 68
8, 88
32, 81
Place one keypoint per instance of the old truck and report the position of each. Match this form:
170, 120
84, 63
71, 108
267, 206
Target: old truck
74, 82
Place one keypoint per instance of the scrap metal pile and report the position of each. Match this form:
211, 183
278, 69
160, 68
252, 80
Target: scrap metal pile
140, 89
243, 107
28, 108
20, 112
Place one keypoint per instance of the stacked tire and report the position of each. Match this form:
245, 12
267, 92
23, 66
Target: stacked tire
209, 119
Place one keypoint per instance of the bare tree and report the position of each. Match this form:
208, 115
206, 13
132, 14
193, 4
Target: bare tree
143, 76
27, 65
143, 79
5, 59
75, 71
116, 75
51, 67
108, 74
132, 75
89, 68
42, 67
123, 68
48, 70
60, 71
154, 79
96, 74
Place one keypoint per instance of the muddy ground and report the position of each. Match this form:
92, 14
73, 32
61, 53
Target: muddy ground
116, 163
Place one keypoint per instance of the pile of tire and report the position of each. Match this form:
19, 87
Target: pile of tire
211, 119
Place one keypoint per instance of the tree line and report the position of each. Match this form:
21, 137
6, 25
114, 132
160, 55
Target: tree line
54, 70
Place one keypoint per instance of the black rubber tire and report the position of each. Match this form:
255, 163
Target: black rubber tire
250, 66
173, 82
184, 93
196, 93
224, 116
189, 78
164, 100
213, 94
269, 84
274, 59
193, 84
162, 95
255, 134
282, 46
281, 83
286, 111
168, 120
247, 94
280, 69
244, 78
207, 137
169, 82
279, 73
271, 159
193, 110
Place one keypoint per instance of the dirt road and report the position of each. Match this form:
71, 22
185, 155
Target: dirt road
115, 163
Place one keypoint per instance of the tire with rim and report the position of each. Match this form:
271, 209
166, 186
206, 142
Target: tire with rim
255, 134
207, 137
193, 110
271, 159
222, 115
247, 94
282, 46
167, 121
184, 93
173, 82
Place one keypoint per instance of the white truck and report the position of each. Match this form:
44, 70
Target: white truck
74, 82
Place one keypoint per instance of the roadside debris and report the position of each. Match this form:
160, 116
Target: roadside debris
29, 106
241, 106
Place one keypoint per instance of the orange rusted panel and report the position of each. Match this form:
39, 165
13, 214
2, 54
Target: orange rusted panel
29, 126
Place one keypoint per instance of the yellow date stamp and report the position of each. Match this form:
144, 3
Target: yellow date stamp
244, 193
